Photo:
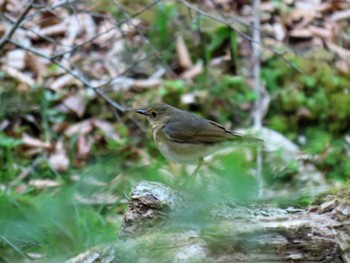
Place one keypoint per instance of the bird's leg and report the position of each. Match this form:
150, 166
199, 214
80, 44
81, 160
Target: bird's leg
199, 165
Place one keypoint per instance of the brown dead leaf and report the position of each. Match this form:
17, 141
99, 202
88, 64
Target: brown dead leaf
89, 25
267, 7
48, 19
146, 83
193, 72
18, 75
325, 34
333, 6
107, 128
324, 7
131, 27
16, 59
220, 60
34, 143
59, 161
341, 15
343, 67
183, 54
61, 82
301, 33
108, 33
341, 52
2, 30
304, 113
54, 30
35, 65
73, 29
300, 18
43, 183
279, 31
32, 151
76, 104
83, 147
11, 6
83, 127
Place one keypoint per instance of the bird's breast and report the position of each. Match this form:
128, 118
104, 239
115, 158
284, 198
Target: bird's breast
186, 153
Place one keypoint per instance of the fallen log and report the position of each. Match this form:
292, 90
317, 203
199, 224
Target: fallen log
156, 229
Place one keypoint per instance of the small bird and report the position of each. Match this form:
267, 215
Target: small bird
183, 137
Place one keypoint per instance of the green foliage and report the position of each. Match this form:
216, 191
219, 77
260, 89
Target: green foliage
53, 224
8, 142
234, 177
104, 6
291, 99
8, 162
220, 36
336, 162
13, 102
171, 86
61, 222
228, 93
279, 123
49, 115
316, 103
317, 142
161, 36
318, 89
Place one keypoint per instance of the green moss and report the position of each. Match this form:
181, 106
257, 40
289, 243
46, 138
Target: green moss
279, 123
342, 195
318, 104
291, 99
340, 105
315, 102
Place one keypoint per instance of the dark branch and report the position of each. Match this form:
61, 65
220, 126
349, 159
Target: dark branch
17, 24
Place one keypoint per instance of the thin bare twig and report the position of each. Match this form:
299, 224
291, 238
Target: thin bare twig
139, 12
75, 48
244, 35
49, 8
75, 74
49, 39
123, 73
129, 17
230, 17
129, 20
17, 24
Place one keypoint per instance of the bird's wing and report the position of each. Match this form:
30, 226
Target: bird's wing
197, 130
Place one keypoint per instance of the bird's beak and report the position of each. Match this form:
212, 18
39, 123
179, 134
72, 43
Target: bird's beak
143, 112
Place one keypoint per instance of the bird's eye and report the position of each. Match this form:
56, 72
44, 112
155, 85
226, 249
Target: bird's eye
154, 114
